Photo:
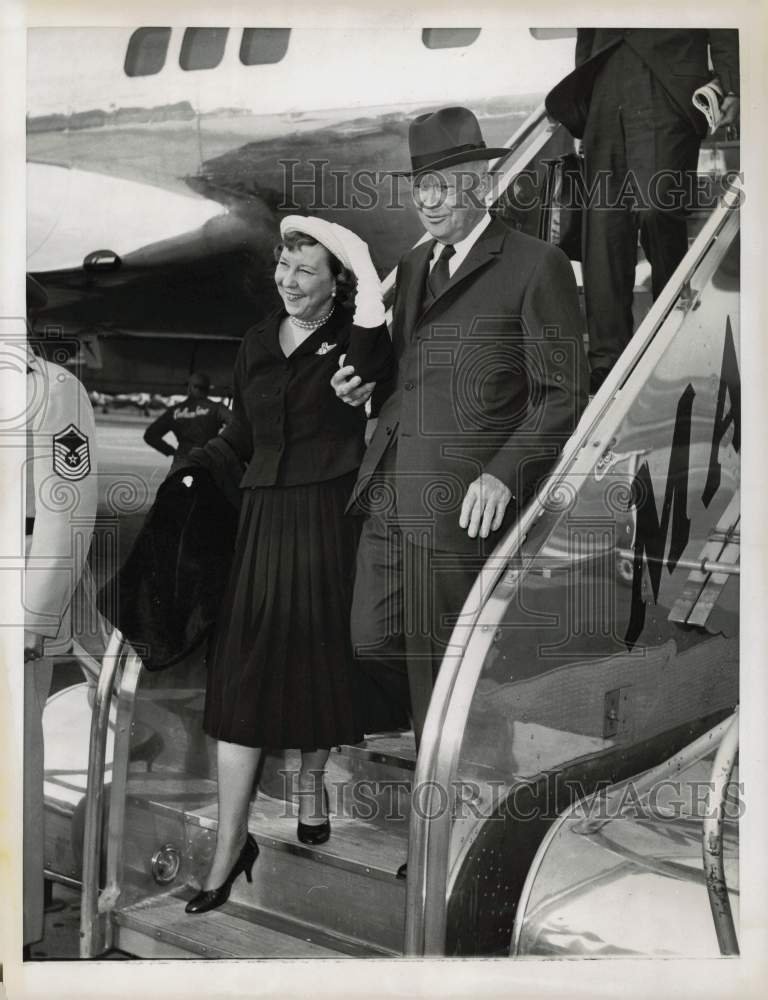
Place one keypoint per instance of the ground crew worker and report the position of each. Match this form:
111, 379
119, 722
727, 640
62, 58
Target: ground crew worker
194, 421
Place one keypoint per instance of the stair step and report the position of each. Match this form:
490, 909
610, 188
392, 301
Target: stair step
374, 845
320, 887
393, 749
348, 885
355, 777
161, 929
345, 890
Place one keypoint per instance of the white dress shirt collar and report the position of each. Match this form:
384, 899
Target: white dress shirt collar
462, 248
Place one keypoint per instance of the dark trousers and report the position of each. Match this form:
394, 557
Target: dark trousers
407, 599
640, 157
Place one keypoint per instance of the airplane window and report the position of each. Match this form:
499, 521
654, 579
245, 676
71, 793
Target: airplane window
449, 38
202, 48
263, 45
146, 51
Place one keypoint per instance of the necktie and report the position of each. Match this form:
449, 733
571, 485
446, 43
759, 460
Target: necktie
439, 276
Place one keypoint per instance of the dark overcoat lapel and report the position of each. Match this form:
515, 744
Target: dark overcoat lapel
413, 286
415, 315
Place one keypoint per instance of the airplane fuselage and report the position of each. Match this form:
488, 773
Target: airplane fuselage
184, 173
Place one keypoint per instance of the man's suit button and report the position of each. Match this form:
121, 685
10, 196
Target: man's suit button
408, 386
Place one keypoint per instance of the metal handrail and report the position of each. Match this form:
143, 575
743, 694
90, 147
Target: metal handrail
92, 938
458, 676
641, 784
704, 566
712, 839
129, 683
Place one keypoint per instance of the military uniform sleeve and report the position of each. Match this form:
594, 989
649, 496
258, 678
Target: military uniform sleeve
724, 49
557, 376
63, 477
157, 430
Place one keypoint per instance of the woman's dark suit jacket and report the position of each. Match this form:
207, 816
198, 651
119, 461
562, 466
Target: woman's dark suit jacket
317, 437
166, 596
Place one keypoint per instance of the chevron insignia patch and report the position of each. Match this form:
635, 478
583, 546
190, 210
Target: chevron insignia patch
71, 454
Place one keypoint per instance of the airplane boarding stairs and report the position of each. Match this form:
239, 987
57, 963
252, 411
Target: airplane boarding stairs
145, 830
342, 898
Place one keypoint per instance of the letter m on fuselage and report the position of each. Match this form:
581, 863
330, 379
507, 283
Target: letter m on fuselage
652, 532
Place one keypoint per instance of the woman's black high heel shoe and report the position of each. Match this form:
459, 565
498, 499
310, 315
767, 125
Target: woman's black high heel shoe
209, 899
315, 833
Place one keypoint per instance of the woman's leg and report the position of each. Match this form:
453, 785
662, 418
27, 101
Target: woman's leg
236, 766
311, 798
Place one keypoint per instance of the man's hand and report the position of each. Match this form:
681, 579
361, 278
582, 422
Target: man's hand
729, 111
349, 387
484, 505
33, 646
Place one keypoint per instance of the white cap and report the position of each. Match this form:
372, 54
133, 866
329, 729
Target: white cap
330, 234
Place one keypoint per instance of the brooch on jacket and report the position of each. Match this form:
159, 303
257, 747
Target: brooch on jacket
325, 347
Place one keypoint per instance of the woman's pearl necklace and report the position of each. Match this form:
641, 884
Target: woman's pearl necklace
311, 324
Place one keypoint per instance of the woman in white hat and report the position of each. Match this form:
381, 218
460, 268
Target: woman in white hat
281, 672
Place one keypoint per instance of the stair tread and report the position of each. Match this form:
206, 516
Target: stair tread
234, 932
398, 744
394, 749
354, 843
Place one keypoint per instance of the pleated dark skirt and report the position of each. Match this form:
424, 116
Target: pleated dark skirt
280, 667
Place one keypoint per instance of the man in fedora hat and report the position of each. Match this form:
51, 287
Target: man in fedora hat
491, 380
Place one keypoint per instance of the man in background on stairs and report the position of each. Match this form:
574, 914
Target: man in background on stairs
491, 380
630, 99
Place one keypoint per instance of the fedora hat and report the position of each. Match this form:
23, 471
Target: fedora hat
446, 138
